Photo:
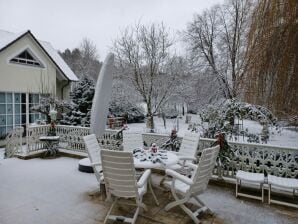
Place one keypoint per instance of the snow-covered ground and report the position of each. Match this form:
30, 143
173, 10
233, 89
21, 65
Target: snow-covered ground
281, 137
179, 124
284, 137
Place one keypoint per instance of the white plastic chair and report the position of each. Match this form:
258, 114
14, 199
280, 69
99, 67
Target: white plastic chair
186, 189
120, 182
132, 141
93, 151
187, 153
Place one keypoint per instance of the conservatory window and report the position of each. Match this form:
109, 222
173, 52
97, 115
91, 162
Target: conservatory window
13, 111
33, 101
26, 58
6, 113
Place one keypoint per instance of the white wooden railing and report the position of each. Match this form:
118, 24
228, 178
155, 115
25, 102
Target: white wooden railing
71, 138
13, 142
258, 158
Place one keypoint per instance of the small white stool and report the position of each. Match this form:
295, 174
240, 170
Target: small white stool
253, 178
283, 183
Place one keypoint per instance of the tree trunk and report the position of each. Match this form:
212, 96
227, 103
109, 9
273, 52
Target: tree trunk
150, 122
232, 120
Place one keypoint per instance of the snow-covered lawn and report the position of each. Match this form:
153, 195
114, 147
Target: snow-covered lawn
159, 126
284, 137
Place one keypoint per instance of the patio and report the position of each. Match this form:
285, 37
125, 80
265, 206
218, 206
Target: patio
54, 191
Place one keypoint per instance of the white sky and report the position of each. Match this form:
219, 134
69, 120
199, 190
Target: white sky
65, 23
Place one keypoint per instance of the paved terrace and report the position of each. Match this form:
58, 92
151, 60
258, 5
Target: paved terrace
53, 191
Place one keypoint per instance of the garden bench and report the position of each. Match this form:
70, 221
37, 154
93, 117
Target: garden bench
282, 183
251, 178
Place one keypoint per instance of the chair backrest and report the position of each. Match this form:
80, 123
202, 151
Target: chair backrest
93, 148
189, 144
119, 173
204, 171
93, 151
132, 141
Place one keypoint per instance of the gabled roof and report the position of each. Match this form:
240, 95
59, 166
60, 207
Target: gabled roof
8, 38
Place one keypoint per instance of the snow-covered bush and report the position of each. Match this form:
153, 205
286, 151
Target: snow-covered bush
221, 117
173, 143
124, 100
45, 104
170, 112
131, 112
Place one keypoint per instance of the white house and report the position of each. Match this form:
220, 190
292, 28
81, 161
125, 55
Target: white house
28, 68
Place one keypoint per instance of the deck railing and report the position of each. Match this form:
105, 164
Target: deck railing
71, 138
13, 142
258, 158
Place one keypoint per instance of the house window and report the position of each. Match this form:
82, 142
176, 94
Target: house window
26, 58
13, 111
33, 101
6, 113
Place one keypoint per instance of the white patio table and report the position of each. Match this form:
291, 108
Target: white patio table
146, 159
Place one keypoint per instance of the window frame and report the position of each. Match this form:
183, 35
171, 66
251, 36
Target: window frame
36, 62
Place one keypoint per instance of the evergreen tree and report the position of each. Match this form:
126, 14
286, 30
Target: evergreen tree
81, 103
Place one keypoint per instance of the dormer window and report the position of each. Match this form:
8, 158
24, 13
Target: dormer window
26, 58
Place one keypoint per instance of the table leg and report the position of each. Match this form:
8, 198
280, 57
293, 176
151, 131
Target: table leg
151, 189
47, 146
51, 148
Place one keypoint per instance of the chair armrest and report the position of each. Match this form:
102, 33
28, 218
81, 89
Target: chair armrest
187, 158
192, 166
178, 176
184, 160
95, 164
143, 179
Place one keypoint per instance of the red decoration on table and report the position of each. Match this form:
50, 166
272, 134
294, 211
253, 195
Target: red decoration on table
154, 148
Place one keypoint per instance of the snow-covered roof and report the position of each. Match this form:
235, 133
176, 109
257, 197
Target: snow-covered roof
8, 38
59, 61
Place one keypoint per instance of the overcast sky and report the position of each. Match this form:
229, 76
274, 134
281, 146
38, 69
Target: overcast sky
65, 23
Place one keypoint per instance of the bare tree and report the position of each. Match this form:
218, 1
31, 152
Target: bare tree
89, 64
184, 91
144, 54
216, 39
84, 61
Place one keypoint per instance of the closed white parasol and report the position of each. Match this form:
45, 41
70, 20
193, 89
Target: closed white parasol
102, 96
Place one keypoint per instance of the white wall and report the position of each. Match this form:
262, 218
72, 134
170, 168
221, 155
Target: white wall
25, 78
